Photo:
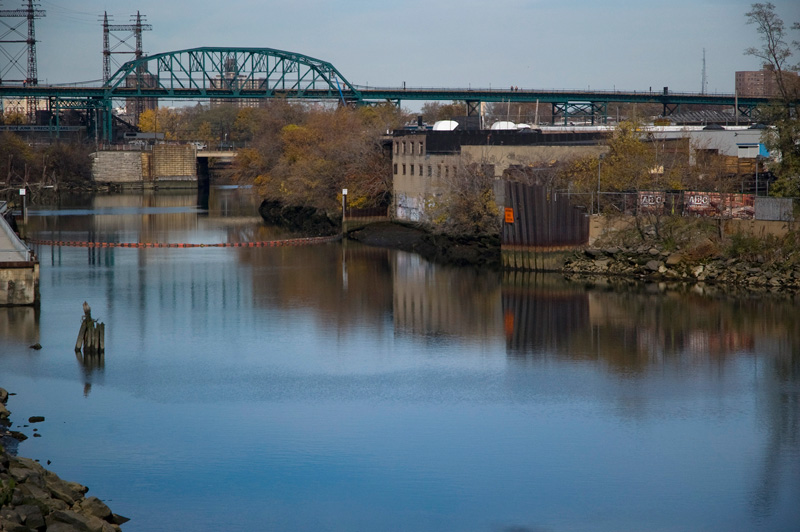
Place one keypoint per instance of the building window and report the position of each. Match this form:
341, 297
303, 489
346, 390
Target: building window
420, 170
420, 148
411, 147
447, 171
404, 169
404, 149
412, 169
395, 168
430, 171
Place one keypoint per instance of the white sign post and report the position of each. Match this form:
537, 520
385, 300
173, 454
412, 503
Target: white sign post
23, 192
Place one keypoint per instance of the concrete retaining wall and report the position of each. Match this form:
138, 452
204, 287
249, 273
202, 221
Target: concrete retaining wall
165, 164
601, 225
118, 167
173, 162
19, 284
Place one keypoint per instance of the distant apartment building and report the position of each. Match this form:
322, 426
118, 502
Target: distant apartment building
136, 106
761, 83
236, 82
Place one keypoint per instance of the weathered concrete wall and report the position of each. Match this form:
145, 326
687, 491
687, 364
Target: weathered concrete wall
759, 228
19, 283
166, 163
174, 162
502, 157
601, 225
119, 167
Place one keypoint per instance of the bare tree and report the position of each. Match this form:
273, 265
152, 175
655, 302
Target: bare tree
774, 50
784, 115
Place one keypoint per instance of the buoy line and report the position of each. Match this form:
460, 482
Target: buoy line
261, 244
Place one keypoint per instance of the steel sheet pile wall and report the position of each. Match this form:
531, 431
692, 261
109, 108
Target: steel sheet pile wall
537, 226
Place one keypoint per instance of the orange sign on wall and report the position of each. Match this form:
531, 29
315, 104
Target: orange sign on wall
509, 215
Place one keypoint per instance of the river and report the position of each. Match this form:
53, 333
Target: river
341, 387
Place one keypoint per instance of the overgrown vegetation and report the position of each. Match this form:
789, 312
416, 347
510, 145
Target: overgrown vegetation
7, 491
781, 252
466, 205
309, 154
58, 165
702, 239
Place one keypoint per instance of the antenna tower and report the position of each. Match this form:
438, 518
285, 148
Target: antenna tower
704, 83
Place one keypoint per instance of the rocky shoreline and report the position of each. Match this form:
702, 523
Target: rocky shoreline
35, 499
610, 266
618, 265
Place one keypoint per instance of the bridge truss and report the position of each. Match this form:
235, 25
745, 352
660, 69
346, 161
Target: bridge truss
230, 73
220, 74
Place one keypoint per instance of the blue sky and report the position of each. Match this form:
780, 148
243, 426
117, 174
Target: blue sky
568, 44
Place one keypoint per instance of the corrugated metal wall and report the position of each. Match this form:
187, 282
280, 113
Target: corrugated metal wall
534, 219
779, 209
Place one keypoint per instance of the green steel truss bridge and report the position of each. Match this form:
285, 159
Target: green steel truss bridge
260, 73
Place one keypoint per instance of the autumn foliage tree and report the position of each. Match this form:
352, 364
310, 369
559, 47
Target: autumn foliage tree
627, 165
636, 161
312, 153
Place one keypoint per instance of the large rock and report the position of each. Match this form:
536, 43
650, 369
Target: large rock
674, 259
305, 219
654, 265
35, 499
96, 507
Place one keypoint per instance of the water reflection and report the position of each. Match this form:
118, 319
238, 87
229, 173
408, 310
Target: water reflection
632, 331
542, 314
332, 354
229, 215
434, 300
634, 334
92, 364
20, 325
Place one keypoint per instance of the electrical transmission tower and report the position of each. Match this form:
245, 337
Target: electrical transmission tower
13, 34
134, 30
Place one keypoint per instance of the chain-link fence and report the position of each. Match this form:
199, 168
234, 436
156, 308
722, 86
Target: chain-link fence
687, 203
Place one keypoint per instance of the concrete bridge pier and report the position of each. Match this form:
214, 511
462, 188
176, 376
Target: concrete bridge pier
19, 268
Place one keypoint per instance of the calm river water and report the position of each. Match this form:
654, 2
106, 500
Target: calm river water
340, 387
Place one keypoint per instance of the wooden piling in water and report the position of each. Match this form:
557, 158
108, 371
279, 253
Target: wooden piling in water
91, 336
